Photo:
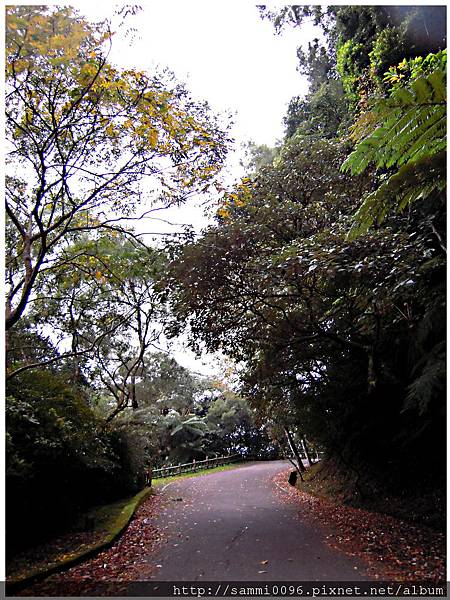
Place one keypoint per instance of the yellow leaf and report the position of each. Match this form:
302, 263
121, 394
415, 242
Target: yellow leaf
153, 138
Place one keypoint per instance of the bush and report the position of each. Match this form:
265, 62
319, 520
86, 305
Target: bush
60, 460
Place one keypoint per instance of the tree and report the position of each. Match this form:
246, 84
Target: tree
81, 137
166, 385
232, 428
163, 415
103, 310
58, 461
132, 294
317, 65
321, 114
257, 156
321, 323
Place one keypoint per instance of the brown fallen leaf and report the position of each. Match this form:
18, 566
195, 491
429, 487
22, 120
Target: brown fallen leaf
264, 562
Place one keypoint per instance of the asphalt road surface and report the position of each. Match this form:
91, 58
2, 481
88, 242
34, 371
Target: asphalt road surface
235, 525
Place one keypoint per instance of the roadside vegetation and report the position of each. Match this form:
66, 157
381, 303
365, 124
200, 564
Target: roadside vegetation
324, 273
321, 277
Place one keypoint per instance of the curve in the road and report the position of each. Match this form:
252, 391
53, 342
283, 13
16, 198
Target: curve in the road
233, 526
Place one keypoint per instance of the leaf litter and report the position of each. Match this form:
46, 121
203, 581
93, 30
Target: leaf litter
110, 571
392, 548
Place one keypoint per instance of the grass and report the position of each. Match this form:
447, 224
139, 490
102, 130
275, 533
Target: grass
95, 530
200, 473
103, 518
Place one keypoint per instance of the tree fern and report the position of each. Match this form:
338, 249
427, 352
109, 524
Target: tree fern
407, 130
429, 381
414, 181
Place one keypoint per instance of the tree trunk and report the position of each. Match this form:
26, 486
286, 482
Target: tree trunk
7, 333
306, 451
134, 402
298, 460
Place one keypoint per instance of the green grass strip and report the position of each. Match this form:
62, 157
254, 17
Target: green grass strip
200, 473
111, 518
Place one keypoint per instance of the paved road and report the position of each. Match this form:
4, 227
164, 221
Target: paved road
224, 526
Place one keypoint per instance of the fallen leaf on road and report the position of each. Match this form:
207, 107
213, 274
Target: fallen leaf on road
264, 562
262, 572
409, 552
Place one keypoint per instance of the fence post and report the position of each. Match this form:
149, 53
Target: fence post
207, 462
194, 467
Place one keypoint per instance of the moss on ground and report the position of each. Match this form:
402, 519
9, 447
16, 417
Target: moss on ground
104, 524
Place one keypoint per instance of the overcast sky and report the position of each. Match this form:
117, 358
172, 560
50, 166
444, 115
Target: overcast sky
227, 55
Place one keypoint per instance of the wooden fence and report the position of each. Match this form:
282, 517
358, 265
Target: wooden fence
196, 465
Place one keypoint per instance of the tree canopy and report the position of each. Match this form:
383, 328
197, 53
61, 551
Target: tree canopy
323, 274
82, 135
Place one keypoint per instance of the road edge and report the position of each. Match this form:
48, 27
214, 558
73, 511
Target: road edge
119, 527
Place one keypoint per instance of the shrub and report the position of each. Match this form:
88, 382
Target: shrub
60, 460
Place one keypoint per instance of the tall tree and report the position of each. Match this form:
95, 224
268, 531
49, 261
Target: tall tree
82, 136
321, 323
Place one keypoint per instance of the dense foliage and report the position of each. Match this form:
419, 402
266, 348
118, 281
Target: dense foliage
324, 274
58, 460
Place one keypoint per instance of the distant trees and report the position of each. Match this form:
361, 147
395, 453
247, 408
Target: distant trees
183, 416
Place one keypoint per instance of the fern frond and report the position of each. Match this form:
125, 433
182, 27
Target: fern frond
415, 181
407, 130
409, 124
430, 383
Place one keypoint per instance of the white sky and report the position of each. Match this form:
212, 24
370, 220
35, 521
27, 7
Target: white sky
227, 55
224, 52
